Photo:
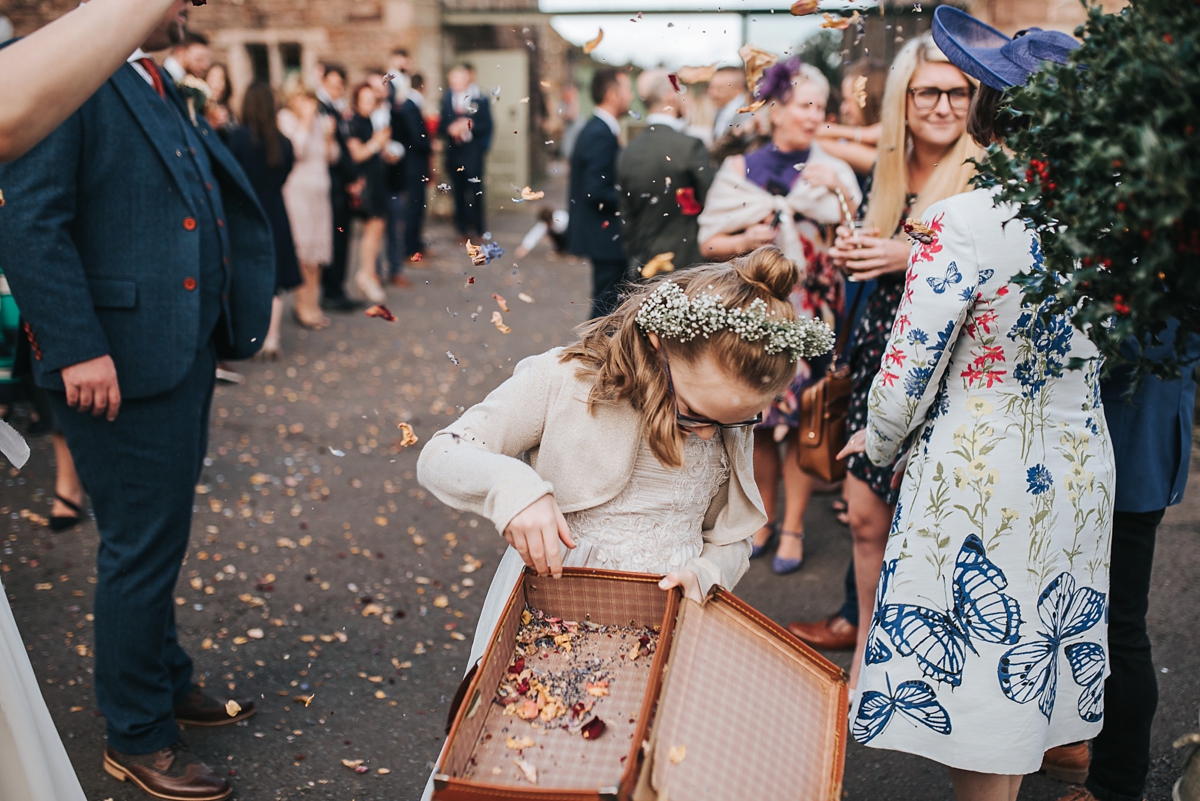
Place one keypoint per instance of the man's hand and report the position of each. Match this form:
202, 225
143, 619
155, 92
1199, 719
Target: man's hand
92, 387
536, 532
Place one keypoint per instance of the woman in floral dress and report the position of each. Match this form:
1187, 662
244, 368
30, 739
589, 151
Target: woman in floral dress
987, 645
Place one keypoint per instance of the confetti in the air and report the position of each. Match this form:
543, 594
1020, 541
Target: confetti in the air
757, 60
443, 188
498, 321
801, 8
407, 435
482, 254
381, 311
674, 79
662, 263
452, 358
589, 47
919, 231
521, 296
840, 23
528, 194
860, 91
501, 302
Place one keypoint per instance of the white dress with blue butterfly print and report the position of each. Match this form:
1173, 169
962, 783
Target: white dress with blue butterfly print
988, 641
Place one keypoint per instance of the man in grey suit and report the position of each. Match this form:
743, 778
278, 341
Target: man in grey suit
664, 177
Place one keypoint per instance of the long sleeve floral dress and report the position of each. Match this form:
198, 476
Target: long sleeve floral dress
988, 643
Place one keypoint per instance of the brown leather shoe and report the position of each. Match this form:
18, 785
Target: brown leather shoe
201, 709
1077, 793
833, 634
1068, 763
174, 773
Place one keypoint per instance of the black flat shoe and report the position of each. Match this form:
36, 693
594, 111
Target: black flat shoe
62, 523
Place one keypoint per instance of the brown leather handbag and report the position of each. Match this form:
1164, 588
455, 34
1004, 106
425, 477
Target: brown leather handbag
823, 407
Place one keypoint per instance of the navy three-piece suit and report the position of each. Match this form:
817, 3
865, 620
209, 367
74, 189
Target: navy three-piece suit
132, 232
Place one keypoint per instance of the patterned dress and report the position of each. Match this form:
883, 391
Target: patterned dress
988, 643
866, 353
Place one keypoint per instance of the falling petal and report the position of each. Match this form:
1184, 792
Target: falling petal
501, 302
529, 194
381, 311
674, 79
802, 7
232, 708
407, 435
452, 358
587, 49
593, 729
498, 321
521, 296
860, 91
919, 231
662, 263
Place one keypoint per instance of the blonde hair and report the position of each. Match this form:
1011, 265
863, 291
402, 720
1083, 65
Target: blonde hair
890, 184
295, 86
626, 366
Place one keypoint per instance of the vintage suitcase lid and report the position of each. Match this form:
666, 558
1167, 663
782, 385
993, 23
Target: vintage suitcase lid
747, 711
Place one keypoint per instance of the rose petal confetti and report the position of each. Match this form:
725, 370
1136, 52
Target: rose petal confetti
597, 689
255, 634
232, 708
482, 254
407, 435
860, 91
519, 744
692, 75
528, 194
662, 263
587, 49
521, 296
674, 79
801, 8
381, 311
352, 763
593, 729
919, 231
756, 60
498, 321
501, 302
677, 754
840, 23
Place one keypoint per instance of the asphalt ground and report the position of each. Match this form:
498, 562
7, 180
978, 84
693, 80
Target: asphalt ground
323, 580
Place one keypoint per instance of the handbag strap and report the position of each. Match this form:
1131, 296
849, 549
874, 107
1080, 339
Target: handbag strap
843, 338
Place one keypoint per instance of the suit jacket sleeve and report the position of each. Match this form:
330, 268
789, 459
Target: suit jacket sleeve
481, 123
702, 170
40, 260
447, 116
599, 179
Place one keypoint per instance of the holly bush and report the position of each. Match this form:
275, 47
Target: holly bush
1105, 167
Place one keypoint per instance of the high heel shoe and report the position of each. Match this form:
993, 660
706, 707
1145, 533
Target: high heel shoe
64, 522
758, 550
783, 566
371, 289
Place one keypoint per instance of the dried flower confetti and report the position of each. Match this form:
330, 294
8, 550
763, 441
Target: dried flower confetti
919, 231
519, 744
802, 8
527, 770
232, 708
381, 311
407, 435
482, 254
589, 47
674, 79
840, 23
662, 263
352, 763
501, 302
690, 75
677, 754
498, 321
757, 60
593, 729
521, 296
452, 358
860, 91
528, 194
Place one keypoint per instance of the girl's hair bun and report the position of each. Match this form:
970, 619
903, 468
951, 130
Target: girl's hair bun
769, 270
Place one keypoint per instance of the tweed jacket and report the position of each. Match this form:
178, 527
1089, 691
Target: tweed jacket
534, 435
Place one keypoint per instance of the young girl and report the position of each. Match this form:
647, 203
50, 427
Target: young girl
639, 437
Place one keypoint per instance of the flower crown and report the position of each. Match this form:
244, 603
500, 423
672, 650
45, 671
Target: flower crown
671, 314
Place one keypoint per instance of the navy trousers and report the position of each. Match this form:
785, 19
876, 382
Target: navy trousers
414, 216
333, 276
1121, 752
607, 277
468, 202
395, 236
140, 472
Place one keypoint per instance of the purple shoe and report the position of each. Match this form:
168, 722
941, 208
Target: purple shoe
758, 550
784, 566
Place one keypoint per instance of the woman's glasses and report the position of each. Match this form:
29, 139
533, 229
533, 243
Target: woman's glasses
686, 421
926, 98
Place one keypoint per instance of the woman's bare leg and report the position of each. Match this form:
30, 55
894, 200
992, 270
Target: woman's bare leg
972, 786
308, 296
66, 480
368, 251
870, 519
798, 489
766, 476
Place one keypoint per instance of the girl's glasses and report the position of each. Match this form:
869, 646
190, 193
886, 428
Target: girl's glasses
926, 98
686, 421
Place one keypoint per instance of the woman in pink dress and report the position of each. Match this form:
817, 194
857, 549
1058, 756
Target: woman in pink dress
306, 194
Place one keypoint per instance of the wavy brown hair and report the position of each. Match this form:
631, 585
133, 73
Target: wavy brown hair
626, 366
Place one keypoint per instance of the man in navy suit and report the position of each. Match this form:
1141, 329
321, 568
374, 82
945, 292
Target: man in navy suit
466, 125
138, 253
1152, 444
408, 128
594, 229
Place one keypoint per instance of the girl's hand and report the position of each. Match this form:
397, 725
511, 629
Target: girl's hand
536, 533
821, 175
758, 235
856, 444
686, 580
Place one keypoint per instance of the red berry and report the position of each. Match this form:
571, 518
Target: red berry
1086, 261
1167, 38
1107, 264
1052, 186
1121, 205
1145, 233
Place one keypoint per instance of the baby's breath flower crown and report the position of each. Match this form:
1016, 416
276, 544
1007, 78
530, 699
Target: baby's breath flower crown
671, 314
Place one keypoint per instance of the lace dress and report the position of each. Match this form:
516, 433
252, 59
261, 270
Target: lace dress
653, 525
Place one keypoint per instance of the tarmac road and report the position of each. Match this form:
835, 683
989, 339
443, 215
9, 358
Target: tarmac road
322, 579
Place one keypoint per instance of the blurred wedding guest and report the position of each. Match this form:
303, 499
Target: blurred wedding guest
855, 136
331, 95
399, 66
466, 126
664, 176
217, 110
369, 196
594, 227
267, 156
785, 194
410, 176
131, 382
192, 56
306, 194
923, 150
727, 91
573, 120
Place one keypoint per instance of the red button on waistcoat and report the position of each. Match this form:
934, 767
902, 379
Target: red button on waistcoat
220, 223
189, 224
189, 284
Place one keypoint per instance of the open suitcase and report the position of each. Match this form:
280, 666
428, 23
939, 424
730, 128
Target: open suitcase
728, 706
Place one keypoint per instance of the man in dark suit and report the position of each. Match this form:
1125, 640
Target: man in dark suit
138, 253
408, 128
1152, 443
664, 176
594, 230
466, 125
331, 96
